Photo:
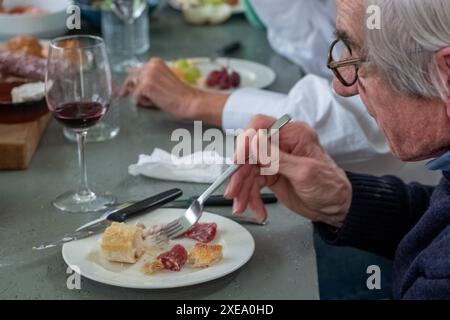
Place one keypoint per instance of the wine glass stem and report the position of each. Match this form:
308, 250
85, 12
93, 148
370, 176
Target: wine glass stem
84, 194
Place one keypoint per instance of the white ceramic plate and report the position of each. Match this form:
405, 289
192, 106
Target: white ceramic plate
238, 247
48, 25
253, 75
237, 9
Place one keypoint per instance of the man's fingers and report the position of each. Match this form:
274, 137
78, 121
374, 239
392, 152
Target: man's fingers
126, 88
241, 200
242, 146
256, 204
131, 82
260, 122
236, 182
145, 102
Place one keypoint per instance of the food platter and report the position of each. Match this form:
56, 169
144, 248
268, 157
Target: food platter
19, 112
252, 74
238, 247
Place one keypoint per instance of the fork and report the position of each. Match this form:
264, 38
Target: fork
193, 214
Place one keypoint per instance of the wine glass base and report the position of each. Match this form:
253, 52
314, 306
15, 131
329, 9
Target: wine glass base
127, 65
70, 202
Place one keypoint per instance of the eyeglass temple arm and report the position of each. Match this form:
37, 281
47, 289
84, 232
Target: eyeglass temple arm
345, 63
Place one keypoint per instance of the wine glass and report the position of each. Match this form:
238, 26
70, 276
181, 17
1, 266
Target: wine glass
79, 91
128, 11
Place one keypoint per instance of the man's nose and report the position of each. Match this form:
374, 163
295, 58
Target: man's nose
343, 90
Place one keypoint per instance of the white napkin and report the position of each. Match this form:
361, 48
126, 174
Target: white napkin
199, 167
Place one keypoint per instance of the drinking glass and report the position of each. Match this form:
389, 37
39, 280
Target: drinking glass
128, 11
78, 92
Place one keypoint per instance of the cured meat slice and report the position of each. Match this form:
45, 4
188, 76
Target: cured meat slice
202, 232
174, 259
28, 67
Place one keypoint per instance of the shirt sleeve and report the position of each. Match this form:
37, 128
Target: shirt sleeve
383, 211
300, 30
346, 130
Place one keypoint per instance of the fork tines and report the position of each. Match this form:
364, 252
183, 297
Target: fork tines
168, 232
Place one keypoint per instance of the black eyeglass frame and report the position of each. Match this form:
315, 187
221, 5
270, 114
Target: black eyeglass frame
335, 65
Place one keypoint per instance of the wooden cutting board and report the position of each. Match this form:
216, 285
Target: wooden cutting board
19, 141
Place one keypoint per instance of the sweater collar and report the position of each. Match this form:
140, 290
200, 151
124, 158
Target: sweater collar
440, 164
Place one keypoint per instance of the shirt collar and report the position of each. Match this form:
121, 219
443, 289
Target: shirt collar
440, 164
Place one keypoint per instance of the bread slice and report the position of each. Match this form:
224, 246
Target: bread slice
205, 255
152, 267
122, 243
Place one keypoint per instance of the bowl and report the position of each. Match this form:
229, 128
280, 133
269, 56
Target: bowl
49, 25
19, 112
94, 15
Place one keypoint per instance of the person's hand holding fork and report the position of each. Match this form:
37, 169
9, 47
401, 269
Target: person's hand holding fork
308, 181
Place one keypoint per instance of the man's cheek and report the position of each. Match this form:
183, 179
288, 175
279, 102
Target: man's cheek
343, 90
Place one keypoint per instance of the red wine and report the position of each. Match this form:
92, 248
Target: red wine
79, 115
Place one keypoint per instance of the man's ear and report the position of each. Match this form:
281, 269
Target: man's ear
443, 59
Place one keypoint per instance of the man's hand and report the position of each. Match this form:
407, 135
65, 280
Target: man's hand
308, 181
155, 85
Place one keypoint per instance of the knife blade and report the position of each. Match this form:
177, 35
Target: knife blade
124, 212
226, 51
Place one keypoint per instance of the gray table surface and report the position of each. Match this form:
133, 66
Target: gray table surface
283, 266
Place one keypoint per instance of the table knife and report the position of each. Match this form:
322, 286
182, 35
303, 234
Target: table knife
226, 51
220, 201
216, 201
122, 214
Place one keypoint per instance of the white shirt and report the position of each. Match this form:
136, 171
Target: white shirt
302, 31
346, 130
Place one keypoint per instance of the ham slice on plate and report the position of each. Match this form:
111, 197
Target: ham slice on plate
202, 232
174, 259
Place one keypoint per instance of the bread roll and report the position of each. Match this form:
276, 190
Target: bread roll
122, 243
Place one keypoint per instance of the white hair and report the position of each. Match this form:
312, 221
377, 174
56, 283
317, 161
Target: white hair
404, 49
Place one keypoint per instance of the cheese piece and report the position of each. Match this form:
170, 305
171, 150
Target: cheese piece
204, 255
122, 243
28, 92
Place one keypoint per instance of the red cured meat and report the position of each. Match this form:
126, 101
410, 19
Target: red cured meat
202, 232
28, 67
174, 259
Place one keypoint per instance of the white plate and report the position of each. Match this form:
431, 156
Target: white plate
237, 9
253, 75
48, 25
238, 247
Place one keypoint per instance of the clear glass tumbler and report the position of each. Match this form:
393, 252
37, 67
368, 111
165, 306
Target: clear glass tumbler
126, 39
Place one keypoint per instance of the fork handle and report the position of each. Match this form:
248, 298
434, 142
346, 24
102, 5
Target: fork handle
223, 177
277, 125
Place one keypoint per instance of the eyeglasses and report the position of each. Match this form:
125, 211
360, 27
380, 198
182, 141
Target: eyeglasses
343, 65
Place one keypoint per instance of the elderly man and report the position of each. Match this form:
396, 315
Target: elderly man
402, 73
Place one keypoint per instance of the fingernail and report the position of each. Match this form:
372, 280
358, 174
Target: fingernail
262, 219
227, 191
235, 209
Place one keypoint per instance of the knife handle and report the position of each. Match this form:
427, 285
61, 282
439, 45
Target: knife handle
220, 201
229, 49
146, 205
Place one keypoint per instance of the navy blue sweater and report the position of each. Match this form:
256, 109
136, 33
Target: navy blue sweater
409, 223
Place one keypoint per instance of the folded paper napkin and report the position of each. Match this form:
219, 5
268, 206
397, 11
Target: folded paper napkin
199, 167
